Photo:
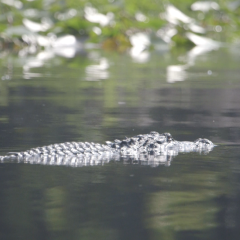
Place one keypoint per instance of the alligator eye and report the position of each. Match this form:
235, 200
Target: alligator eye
167, 135
206, 141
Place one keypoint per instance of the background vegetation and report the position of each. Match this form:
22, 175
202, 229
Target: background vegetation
59, 18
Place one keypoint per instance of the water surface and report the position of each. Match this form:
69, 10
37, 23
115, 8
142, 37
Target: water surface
99, 96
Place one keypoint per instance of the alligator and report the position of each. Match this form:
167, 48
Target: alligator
150, 149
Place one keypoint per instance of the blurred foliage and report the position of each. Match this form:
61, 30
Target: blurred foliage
68, 17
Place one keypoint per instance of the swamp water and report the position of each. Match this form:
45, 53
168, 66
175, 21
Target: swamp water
99, 96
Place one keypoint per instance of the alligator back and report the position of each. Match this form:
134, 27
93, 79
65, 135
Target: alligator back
144, 147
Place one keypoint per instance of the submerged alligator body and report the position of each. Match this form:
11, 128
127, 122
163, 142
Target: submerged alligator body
150, 149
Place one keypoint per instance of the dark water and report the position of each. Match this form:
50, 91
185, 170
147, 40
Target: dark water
47, 100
